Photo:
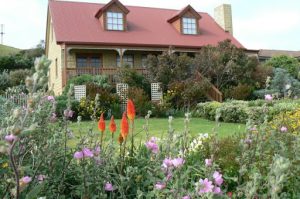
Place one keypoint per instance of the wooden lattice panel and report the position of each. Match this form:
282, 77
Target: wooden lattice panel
122, 91
79, 92
156, 92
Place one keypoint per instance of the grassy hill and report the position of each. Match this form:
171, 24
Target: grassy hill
7, 50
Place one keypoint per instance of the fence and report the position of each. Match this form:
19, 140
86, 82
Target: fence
18, 99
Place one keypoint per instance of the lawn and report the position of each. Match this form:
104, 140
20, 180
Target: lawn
159, 127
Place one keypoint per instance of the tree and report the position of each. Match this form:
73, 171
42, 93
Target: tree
169, 68
225, 65
291, 64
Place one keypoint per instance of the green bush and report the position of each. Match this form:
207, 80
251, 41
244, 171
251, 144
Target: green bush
240, 92
207, 110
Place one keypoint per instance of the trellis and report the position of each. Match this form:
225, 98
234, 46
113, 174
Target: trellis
79, 92
156, 92
122, 91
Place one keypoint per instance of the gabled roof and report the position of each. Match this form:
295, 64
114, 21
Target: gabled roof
108, 5
75, 23
183, 12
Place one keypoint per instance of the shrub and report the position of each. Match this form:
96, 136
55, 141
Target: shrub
235, 113
291, 64
18, 77
5, 81
240, 92
289, 119
207, 110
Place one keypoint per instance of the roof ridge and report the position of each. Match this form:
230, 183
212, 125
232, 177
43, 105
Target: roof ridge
170, 9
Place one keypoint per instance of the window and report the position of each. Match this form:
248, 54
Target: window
189, 26
127, 60
56, 68
144, 61
115, 21
88, 61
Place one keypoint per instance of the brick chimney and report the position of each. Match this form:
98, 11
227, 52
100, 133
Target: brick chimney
223, 16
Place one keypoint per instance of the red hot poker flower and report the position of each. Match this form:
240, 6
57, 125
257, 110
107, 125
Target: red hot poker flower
130, 110
112, 125
124, 126
101, 124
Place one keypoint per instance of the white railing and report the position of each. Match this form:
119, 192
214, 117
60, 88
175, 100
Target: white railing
18, 99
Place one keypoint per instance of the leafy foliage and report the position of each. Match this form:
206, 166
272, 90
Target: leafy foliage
291, 64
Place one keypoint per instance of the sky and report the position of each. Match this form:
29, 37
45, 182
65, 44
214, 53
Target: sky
257, 24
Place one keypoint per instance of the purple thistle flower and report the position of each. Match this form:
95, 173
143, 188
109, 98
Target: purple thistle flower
78, 155
186, 197
87, 153
51, 98
167, 163
68, 113
108, 187
218, 178
248, 141
97, 151
268, 97
41, 178
177, 162
217, 190
283, 129
10, 138
152, 146
160, 185
208, 162
206, 186
26, 179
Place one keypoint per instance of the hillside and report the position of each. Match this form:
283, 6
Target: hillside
7, 50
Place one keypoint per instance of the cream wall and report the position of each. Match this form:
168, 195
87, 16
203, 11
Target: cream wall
54, 52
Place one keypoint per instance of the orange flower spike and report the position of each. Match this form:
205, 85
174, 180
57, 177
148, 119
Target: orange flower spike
124, 126
101, 124
130, 110
112, 125
120, 139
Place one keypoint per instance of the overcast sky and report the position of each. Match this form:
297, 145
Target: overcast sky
257, 24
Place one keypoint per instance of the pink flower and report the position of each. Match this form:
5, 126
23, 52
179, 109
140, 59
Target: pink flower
169, 176
253, 128
10, 138
160, 185
248, 141
68, 113
283, 129
53, 117
41, 177
167, 163
217, 190
108, 187
97, 150
87, 153
268, 97
177, 162
25, 179
50, 98
206, 186
78, 155
218, 178
186, 197
208, 162
151, 145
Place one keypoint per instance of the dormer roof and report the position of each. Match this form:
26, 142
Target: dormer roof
182, 12
109, 5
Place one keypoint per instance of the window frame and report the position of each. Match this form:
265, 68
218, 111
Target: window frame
115, 21
89, 57
189, 26
125, 62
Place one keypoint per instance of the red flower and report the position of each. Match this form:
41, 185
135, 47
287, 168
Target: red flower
130, 109
112, 125
101, 124
229, 194
124, 126
120, 139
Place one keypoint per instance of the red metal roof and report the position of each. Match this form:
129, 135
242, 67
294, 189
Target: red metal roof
75, 22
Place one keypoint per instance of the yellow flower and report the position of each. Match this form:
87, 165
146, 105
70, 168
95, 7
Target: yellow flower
4, 165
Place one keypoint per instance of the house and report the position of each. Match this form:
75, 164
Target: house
264, 54
90, 38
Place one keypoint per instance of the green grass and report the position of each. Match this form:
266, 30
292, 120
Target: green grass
159, 128
7, 50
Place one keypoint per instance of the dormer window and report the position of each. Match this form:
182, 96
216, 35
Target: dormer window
113, 16
186, 21
189, 26
115, 21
